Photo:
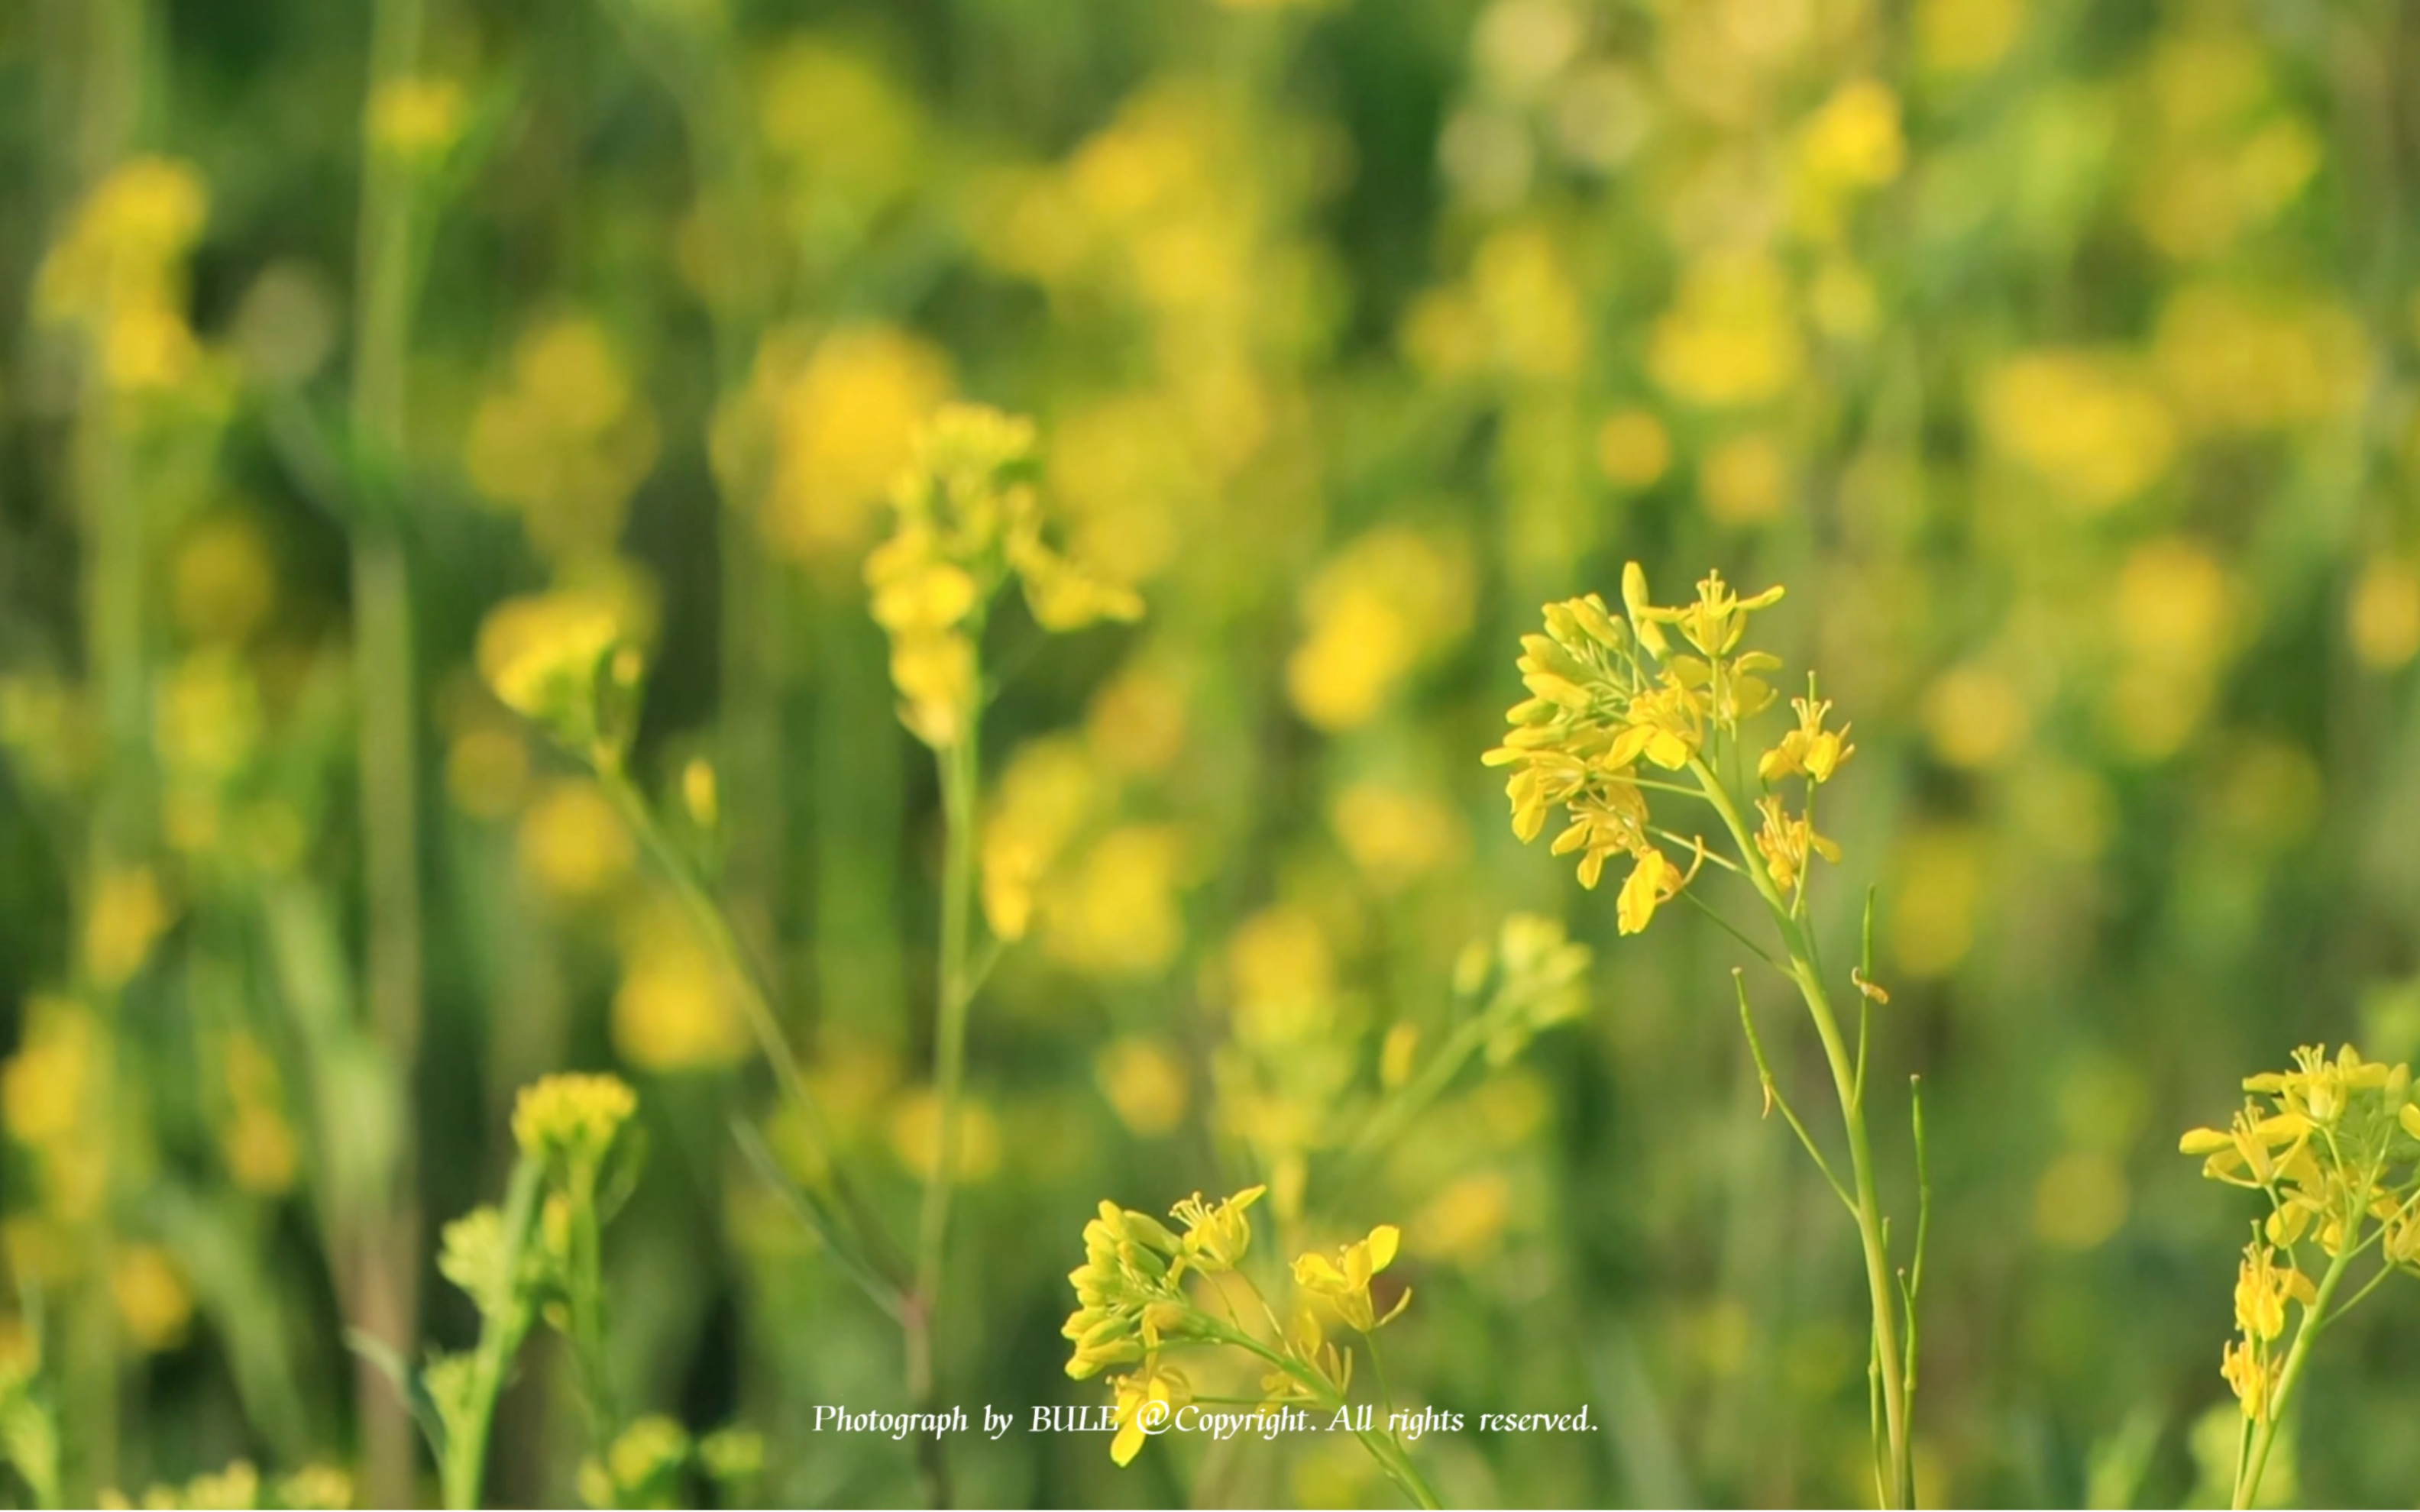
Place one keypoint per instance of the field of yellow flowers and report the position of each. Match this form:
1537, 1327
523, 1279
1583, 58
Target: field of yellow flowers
782, 752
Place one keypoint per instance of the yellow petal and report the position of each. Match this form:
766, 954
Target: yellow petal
1318, 1272
1383, 1240
1634, 599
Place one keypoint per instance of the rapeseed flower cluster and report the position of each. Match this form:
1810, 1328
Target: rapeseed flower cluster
2334, 1144
1614, 701
969, 516
537, 1256
1139, 1297
119, 275
1610, 697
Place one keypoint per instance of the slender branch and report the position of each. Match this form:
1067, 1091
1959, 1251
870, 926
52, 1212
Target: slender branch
1774, 1099
874, 1256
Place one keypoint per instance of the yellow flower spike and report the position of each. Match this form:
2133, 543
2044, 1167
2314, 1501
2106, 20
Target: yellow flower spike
571, 1116
560, 660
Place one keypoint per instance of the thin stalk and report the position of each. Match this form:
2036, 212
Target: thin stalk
463, 1466
588, 1309
1881, 1285
1416, 1095
1774, 1099
384, 1284
851, 1229
2264, 1434
1390, 1456
961, 769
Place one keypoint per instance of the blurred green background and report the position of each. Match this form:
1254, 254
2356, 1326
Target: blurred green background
2058, 357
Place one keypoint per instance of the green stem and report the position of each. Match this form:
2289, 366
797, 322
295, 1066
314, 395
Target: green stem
588, 1309
1888, 1359
1390, 1456
463, 1464
103, 76
2315, 1317
851, 1229
961, 769
384, 1285
1424, 1089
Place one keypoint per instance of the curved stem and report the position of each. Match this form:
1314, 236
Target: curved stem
852, 1229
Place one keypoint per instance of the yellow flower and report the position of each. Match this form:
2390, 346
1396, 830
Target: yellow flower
2262, 1290
562, 662
1612, 822
915, 1131
639, 1467
1343, 1283
1144, 1082
2244, 1154
968, 517
1216, 1234
1640, 608
1632, 448
571, 1116
315, 1486
1785, 842
46, 1087
1732, 337
415, 122
1383, 607
673, 1011
1652, 882
2318, 1088
1667, 725
2254, 1381
1062, 595
152, 1299
1811, 750
1855, 140
126, 247
1145, 1397
572, 844
128, 914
